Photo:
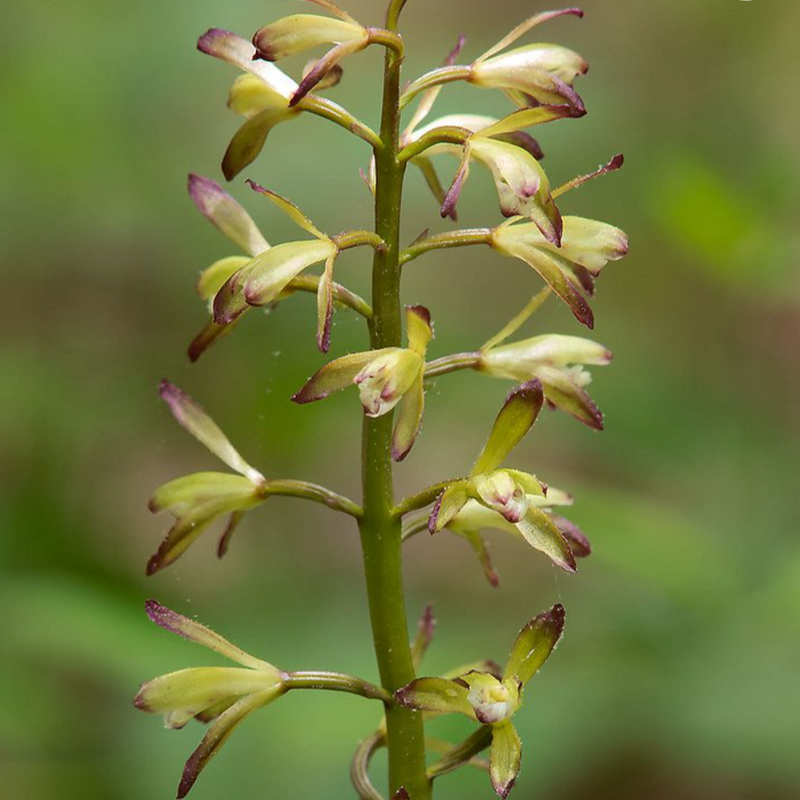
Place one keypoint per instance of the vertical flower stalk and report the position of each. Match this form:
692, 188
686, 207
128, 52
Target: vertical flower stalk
566, 253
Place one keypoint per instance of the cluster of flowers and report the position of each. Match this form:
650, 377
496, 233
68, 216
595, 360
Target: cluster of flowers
568, 253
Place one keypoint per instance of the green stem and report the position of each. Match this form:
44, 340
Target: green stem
311, 491
442, 241
380, 528
454, 363
335, 682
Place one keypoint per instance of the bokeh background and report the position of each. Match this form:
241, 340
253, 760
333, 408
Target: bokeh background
678, 674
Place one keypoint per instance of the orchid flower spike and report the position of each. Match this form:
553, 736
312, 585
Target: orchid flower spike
385, 378
516, 497
198, 500
222, 696
493, 700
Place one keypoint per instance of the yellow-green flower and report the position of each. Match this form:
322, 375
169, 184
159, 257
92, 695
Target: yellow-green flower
493, 700
511, 495
222, 696
385, 378
198, 500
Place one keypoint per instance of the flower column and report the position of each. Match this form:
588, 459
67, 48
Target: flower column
380, 526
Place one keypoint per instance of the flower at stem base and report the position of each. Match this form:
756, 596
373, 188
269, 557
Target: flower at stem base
198, 500
385, 378
515, 497
222, 696
493, 700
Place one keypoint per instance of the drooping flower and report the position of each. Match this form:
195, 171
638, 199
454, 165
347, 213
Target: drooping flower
493, 700
571, 269
385, 378
222, 696
514, 496
200, 499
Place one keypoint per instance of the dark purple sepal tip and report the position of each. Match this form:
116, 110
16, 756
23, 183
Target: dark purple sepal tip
437, 507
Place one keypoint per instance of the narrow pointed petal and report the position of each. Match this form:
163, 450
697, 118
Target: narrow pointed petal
218, 734
409, 419
272, 271
454, 192
576, 538
324, 66
337, 375
191, 525
300, 32
192, 630
195, 420
230, 528
219, 208
450, 502
218, 274
505, 758
515, 419
332, 8
527, 118
194, 690
541, 534
229, 302
211, 333
424, 636
481, 550
249, 141
428, 170
290, 209
612, 166
331, 79
418, 328
325, 306
565, 394
181, 495
534, 644
435, 695
527, 25
240, 53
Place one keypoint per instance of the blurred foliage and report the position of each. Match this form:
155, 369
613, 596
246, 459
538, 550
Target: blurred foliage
677, 676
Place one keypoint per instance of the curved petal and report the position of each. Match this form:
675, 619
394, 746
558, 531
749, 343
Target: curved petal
194, 419
300, 32
192, 630
534, 644
564, 393
249, 141
449, 503
337, 375
540, 533
217, 275
505, 758
515, 419
183, 494
436, 695
218, 734
290, 209
325, 305
409, 419
419, 329
225, 213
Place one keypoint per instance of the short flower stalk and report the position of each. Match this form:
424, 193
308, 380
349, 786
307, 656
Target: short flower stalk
391, 377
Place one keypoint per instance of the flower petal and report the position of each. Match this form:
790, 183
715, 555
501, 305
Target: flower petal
505, 757
240, 53
576, 538
218, 734
325, 305
300, 32
481, 550
534, 644
324, 66
217, 275
194, 690
435, 695
195, 420
216, 205
424, 636
409, 419
212, 332
337, 375
225, 540
272, 271
192, 630
515, 419
541, 534
291, 211
449, 503
183, 494
564, 393
419, 329
526, 118
249, 141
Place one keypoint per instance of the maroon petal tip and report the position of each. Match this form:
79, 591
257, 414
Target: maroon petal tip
437, 506
206, 41
421, 312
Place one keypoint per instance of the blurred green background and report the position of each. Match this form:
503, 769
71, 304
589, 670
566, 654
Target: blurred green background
678, 675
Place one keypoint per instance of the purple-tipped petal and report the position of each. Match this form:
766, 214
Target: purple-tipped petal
576, 538
534, 644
